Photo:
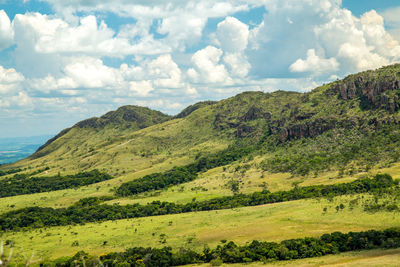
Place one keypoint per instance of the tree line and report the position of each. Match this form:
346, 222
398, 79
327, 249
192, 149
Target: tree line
91, 209
4, 173
21, 184
230, 252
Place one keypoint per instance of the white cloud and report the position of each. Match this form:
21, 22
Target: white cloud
10, 80
86, 73
6, 31
92, 73
80, 73
88, 37
237, 64
376, 36
314, 63
232, 35
165, 72
182, 21
142, 88
360, 58
182, 29
207, 66
20, 102
28, 29
291, 28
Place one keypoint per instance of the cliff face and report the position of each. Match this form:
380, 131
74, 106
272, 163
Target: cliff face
366, 100
375, 89
307, 129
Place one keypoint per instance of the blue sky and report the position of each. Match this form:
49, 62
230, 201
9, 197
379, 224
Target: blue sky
64, 61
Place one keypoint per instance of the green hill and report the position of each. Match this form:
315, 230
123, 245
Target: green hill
354, 108
261, 145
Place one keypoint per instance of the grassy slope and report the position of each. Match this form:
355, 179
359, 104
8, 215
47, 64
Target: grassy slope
135, 154
272, 222
214, 180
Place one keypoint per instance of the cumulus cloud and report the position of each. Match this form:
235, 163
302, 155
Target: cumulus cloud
181, 21
80, 73
318, 38
6, 31
180, 27
237, 64
89, 37
232, 35
376, 35
10, 80
207, 67
86, 73
19, 101
92, 73
314, 63
142, 88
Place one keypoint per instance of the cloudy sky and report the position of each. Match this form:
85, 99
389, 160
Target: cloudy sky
64, 61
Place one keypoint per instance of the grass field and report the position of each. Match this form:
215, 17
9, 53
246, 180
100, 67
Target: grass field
210, 184
63, 198
272, 222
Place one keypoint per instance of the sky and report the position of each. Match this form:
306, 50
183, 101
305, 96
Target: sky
65, 61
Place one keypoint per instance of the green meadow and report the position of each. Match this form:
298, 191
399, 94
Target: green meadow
272, 222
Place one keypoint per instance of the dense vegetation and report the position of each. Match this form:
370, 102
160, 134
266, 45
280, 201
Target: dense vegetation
21, 184
3, 173
90, 209
336, 149
232, 253
187, 173
155, 181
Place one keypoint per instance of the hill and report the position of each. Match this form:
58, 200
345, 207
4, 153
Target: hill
359, 105
254, 147
126, 117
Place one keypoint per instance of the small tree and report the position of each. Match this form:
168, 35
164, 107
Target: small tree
234, 186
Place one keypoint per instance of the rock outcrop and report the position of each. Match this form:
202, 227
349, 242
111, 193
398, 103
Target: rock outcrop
374, 91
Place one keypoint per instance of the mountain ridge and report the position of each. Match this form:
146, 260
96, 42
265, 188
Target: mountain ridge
362, 102
130, 115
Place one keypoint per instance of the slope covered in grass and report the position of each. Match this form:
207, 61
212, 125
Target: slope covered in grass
274, 222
